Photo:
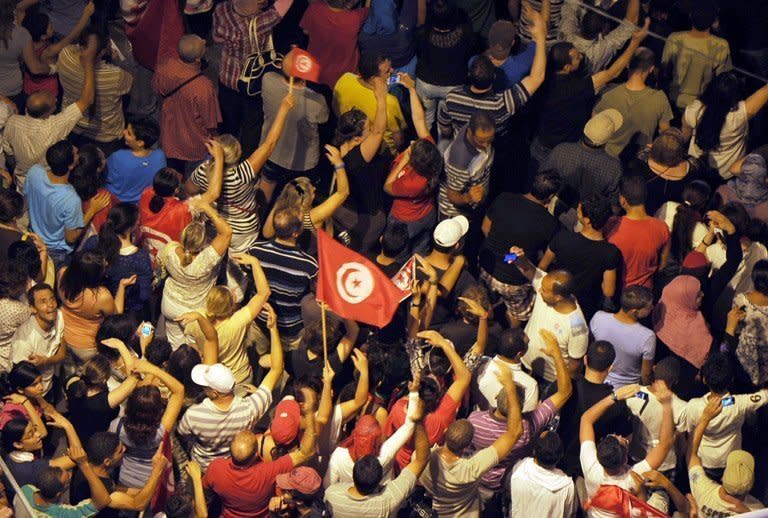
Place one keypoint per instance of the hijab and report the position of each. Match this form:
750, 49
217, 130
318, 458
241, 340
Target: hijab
751, 186
678, 322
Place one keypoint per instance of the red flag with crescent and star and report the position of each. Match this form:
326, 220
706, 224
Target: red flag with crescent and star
352, 286
304, 65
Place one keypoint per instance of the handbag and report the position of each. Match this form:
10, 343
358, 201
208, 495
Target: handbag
258, 63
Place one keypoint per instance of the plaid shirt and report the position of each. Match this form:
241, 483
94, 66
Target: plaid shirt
231, 30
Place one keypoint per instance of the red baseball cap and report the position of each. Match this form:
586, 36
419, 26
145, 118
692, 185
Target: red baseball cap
303, 479
285, 424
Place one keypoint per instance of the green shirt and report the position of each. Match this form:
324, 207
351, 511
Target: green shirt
83, 509
642, 111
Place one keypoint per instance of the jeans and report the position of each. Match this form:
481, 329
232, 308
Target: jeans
419, 233
60, 258
431, 95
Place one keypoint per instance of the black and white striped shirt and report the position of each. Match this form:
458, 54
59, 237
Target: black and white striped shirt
461, 103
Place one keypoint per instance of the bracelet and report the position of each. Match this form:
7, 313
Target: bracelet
614, 397
415, 305
338, 166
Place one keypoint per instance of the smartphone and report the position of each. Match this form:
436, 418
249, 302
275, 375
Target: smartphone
146, 329
393, 80
510, 258
728, 401
641, 395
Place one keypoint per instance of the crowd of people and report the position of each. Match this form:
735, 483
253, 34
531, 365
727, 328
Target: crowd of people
584, 207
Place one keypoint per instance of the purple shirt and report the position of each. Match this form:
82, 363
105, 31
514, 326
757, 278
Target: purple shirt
489, 428
633, 343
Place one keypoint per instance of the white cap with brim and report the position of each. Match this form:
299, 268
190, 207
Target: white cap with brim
600, 128
217, 377
448, 232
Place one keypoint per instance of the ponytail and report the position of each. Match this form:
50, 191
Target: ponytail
683, 226
156, 204
121, 219
165, 184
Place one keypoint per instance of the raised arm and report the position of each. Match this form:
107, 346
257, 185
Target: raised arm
29, 406
659, 452
394, 172
476, 309
522, 263
99, 493
139, 501
175, 402
263, 291
259, 157
325, 210
122, 349
344, 349
223, 237
421, 444
756, 101
275, 351
349, 408
196, 475
595, 412
713, 408
417, 109
535, 78
88, 60
53, 50
325, 407
309, 436
215, 172
122, 286
370, 146
462, 376
564, 383
121, 393
210, 352
602, 78
33, 63
504, 444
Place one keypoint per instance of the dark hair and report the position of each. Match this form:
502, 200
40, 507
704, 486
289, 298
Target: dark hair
642, 60
25, 257
101, 446
703, 14
31, 292
179, 505
545, 185
591, 25
180, 366
635, 297
634, 189
60, 157
720, 97
600, 355
598, 209
611, 453
668, 371
717, 372
442, 14
737, 214
367, 474
49, 483
430, 394
86, 177
427, 161
158, 351
102, 38
369, 62
143, 413
287, 223
351, 124
512, 342
760, 276
481, 120
13, 280
96, 372
121, 219
13, 432
482, 72
395, 239
86, 270
121, 326
695, 199
548, 450
36, 24
312, 338
21, 376
165, 184
560, 55
11, 205
146, 131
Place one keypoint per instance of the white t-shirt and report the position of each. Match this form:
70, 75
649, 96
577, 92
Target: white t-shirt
733, 136
648, 425
723, 434
30, 338
595, 476
488, 386
537, 491
570, 329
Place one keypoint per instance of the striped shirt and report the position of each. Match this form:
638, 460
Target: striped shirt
465, 167
237, 203
212, 429
290, 272
488, 428
461, 103
104, 121
231, 30
524, 24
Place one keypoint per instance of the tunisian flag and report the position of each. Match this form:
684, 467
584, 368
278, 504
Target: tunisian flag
154, 31
304, 65
352, 286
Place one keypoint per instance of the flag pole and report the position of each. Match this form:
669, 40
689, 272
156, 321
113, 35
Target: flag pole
325, 335
290, 84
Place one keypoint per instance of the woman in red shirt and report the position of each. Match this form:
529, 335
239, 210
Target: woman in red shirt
414, 178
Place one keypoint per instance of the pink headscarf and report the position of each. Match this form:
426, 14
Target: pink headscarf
679, 323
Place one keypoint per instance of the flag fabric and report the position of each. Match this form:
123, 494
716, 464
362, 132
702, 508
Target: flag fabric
304, 65
404, 278
155, 32
352, 286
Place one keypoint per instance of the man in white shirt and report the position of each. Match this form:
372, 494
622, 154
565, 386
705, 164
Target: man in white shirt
538, 487
723, 434
556, 310
513, 343
38, 340
607, 463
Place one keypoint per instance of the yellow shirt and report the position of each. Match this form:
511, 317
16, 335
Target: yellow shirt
350, 93
232, 348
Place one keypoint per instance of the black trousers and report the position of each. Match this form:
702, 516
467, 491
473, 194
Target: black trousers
242, 116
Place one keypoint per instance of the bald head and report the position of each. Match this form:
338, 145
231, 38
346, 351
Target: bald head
40, 104
243, 447
191, 48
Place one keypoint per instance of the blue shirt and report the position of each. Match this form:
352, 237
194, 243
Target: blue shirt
53, 208
514, 68
633, 343
128, 175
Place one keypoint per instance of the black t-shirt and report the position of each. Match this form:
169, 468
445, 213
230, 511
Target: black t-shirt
616, 420
565, 107
26, 472
515, 221
79, 491
464, 335
443, 55
366, 181
661, 190
91, 414
587, 261
299, 365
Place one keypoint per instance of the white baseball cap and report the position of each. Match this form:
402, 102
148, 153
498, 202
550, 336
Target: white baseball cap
600, 128
449, 231
217, 377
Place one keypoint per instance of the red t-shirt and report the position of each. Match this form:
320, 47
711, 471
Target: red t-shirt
333, 39
436, 423
640, 243
411, 201
245, 490
159, 229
